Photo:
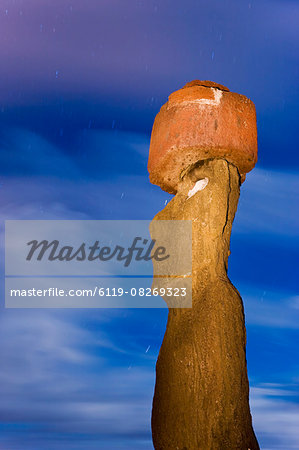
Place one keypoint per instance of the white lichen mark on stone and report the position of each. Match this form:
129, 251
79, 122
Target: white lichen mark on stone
201, 101
199, 186
214, 102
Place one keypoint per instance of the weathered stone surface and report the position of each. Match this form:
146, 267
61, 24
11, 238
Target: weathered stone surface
201, 394
206, 83
197, 123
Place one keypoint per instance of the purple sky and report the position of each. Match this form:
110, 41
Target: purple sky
80, 85
142, 49
105, 61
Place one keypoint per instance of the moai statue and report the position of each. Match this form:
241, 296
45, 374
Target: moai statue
204, 141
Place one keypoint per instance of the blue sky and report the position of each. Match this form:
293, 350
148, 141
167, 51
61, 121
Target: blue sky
79, 89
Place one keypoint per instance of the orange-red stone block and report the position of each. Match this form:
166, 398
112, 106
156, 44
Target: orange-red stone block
200, 121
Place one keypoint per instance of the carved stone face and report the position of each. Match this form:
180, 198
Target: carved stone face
208, 195
202, 195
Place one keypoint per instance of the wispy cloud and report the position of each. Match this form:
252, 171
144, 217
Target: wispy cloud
268, 204
57, 380
270, 309
89, 376
276, 416
109, 168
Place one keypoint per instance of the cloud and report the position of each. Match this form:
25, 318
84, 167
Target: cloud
23, 152
58, 382
109, 168
270, 309
95, 154
275, 416
266, 223
86, 378
106, 178
268, 204
58, 385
